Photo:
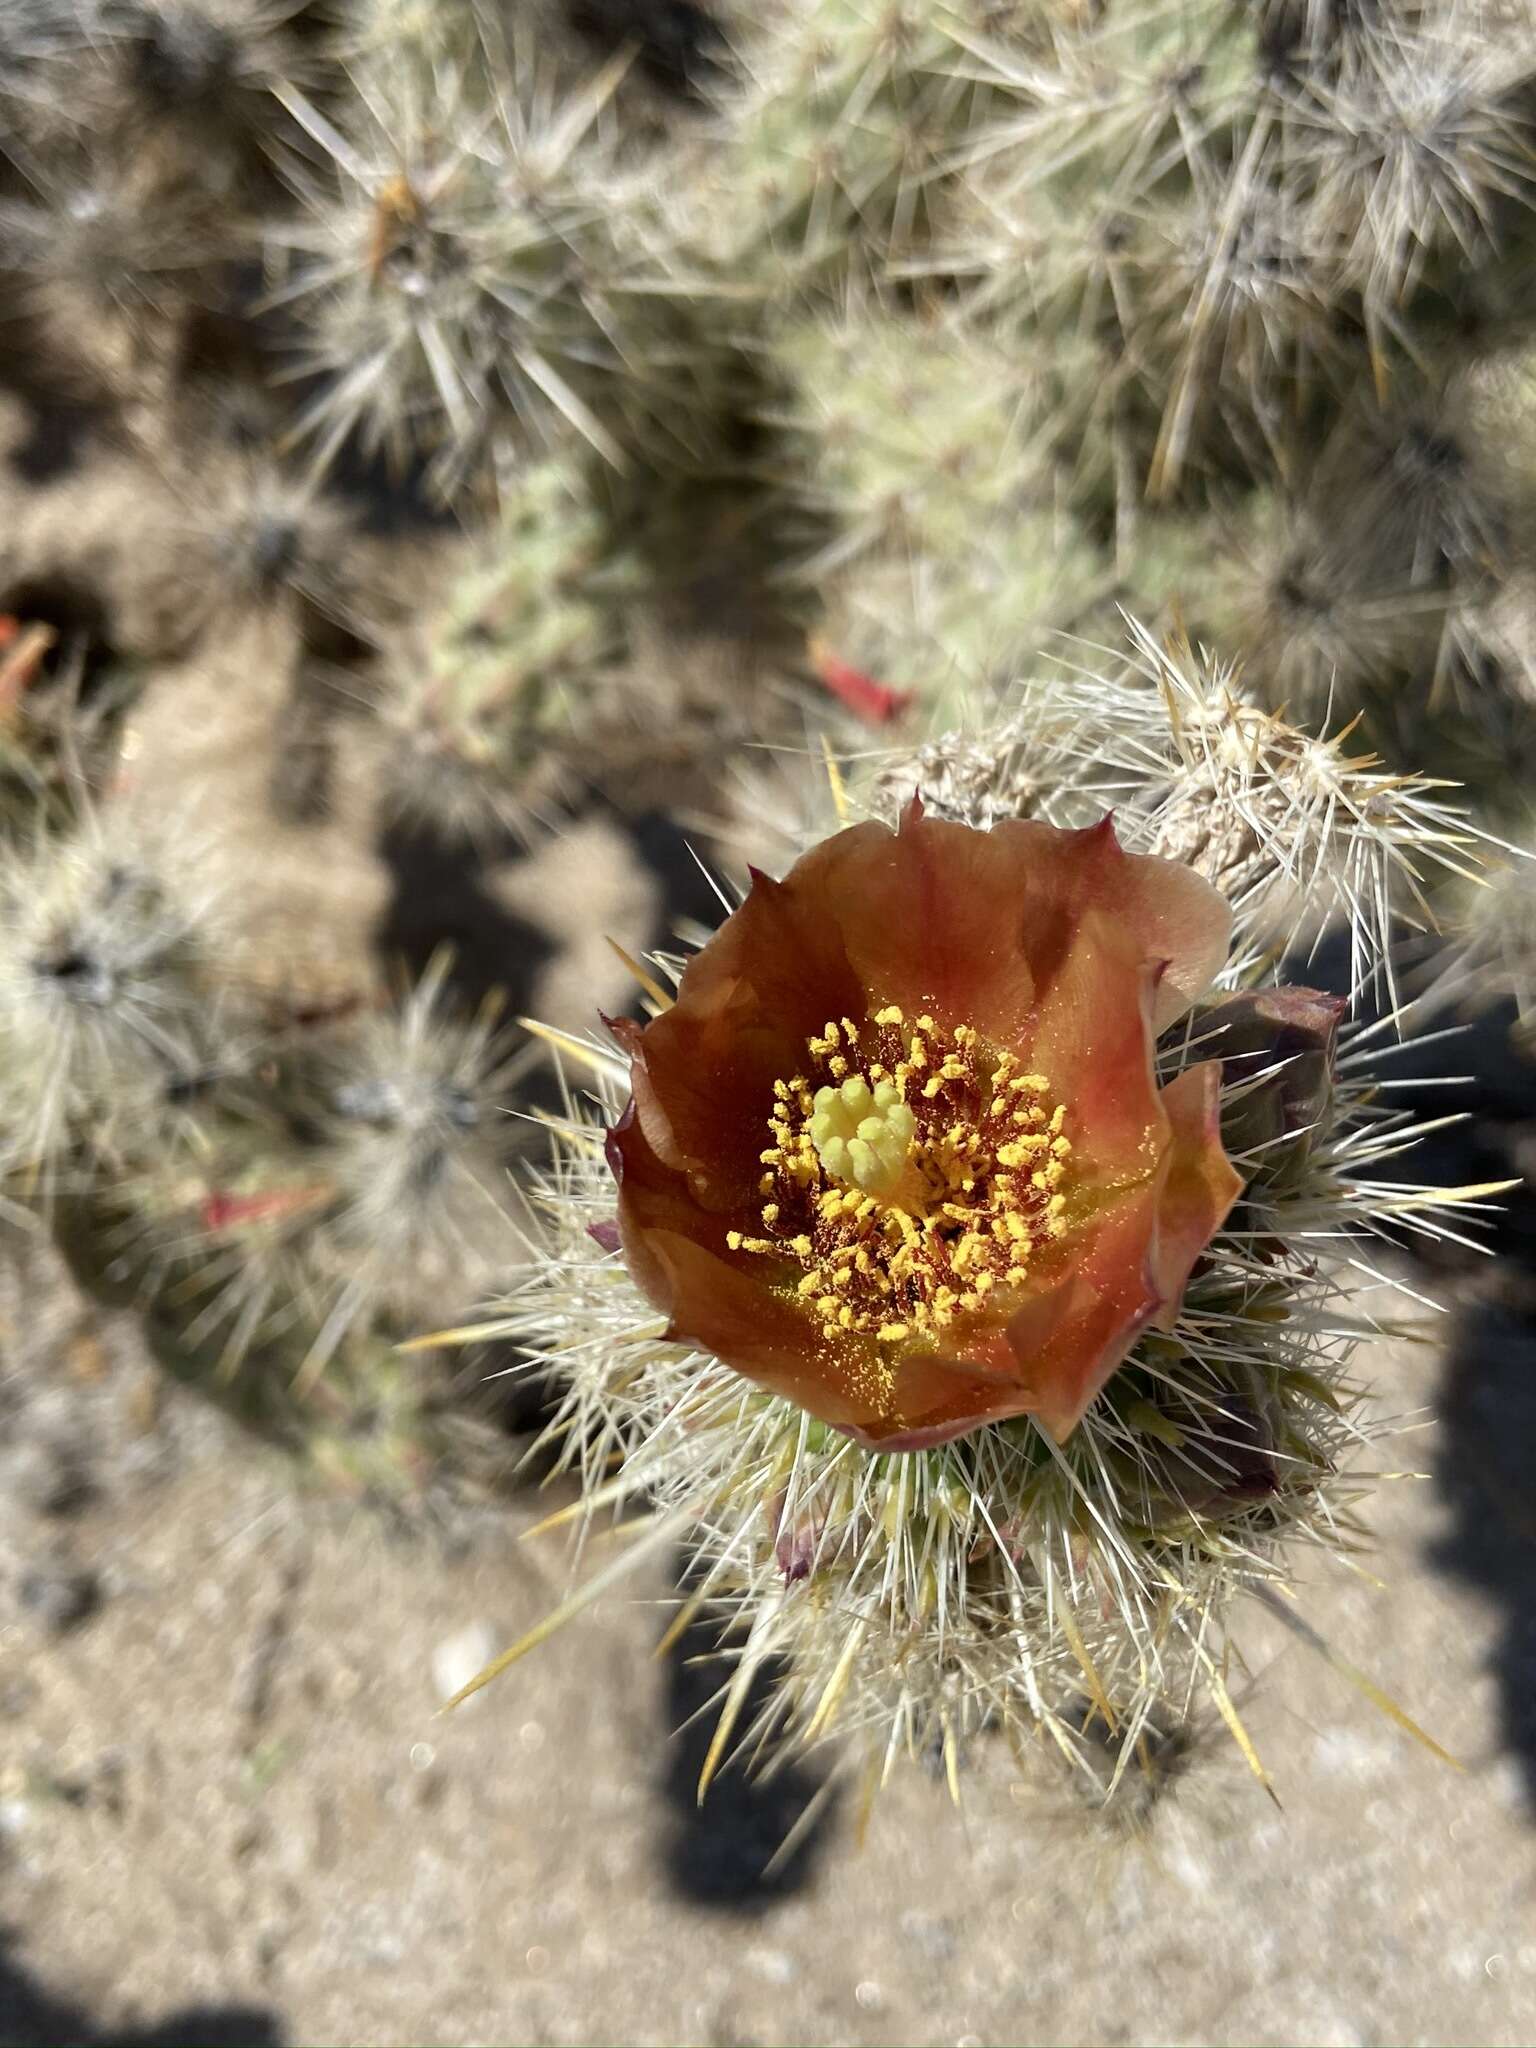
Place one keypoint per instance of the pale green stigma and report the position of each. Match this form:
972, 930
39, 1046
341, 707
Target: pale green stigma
863, 1135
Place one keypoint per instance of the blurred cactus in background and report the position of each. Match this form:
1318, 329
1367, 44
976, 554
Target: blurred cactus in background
474, 474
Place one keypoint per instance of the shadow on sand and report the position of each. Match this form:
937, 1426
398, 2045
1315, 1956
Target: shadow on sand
726, 1854
1487, 1453
31, 2017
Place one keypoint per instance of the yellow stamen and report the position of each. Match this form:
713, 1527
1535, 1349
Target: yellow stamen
903, 1214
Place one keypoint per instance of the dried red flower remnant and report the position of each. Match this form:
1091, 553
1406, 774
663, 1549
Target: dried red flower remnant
898, 1152
875, 702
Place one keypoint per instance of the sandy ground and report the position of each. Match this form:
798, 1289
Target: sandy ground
228, 1811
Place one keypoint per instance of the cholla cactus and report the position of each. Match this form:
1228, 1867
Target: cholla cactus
1381, 579
1121, 103
189, 91
54, 734
917, 434
38, 40
1417, 148
1212, 224
102, 273
336, 1207
946, 631
944, 328
484, 694
1488, 955
675, 50
1298, 829
945, 553
460, 279
105, 1019
966, 1426
232, 533
1125, 223
144, 155
417, 1147
845, 120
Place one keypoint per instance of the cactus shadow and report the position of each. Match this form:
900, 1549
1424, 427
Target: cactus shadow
1486, 1452
1486, 1446
32, 2017
726, 1854
439, 898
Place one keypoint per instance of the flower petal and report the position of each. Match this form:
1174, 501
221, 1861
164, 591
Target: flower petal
1200, 1186
1057, 1349
1127, 1271
978, 926
772, 976
742, 1306
1056, 946
652, 1197
1092, 1039
764, 1333
1184, 921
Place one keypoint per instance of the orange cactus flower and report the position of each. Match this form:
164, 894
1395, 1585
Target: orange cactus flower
898, 1152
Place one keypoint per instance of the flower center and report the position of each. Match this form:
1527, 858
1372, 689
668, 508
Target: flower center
863, 1134
922, 1173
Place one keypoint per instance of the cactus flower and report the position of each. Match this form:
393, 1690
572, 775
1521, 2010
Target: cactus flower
898, 1152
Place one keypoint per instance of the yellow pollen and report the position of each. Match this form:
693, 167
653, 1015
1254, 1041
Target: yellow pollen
912, 1174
